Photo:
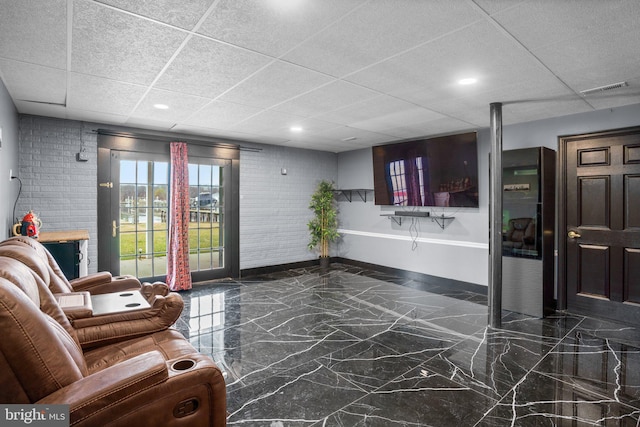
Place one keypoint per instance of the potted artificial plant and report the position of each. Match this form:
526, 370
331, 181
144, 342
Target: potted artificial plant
324, 225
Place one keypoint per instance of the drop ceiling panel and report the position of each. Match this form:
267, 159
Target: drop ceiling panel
383, 109
494, 6
582, 63
41, 109
479, 51
275, 84
101, 95
183, 14
445, 125
272, 26
96, 117
342, 133
118, 46
378, 30
268, 121
541, 109
326, 98
34, 31
541, 23
208, 68
29, 82
541, 86
181, 106
249, 69
221, 115
390, 122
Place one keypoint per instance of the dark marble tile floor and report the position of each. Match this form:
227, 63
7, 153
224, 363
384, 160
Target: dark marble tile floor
351, 347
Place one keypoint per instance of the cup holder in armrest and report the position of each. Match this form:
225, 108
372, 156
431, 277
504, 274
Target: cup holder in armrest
183, 365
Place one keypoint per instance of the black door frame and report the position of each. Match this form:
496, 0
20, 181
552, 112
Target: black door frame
159, 144
562, 204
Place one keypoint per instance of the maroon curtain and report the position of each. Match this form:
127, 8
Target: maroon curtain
412, 180
178, 272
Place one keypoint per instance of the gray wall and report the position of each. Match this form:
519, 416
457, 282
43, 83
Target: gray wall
59, 189
460, 251
273, 207
8, 161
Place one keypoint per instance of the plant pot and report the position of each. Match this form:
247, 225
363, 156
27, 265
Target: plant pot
324, 262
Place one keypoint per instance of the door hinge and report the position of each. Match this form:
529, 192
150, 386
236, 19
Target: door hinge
106, 184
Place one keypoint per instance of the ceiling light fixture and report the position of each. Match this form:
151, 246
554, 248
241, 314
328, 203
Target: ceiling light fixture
467, 81
161, 106
295, 129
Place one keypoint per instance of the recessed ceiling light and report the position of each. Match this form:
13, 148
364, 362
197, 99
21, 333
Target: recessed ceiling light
161, 106
295, 129
468, 81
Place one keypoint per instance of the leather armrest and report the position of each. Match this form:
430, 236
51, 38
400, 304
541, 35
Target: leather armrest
109, 328
104, 389
91, 280
150, 290
103, 283
146, 391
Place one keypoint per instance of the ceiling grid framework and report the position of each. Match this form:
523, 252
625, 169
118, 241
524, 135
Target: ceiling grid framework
350, 73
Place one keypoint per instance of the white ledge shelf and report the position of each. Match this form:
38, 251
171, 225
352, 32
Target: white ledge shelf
442, 220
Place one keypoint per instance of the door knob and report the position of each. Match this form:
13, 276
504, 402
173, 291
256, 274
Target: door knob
573, 235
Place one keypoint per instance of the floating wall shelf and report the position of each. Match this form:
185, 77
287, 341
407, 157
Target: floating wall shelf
442, 220
348, 193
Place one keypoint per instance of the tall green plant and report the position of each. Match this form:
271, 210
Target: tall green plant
324, 225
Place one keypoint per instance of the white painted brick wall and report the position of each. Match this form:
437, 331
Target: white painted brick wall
274, 208
59, 189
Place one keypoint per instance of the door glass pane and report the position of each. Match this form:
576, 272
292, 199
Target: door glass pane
205, 225
143, 217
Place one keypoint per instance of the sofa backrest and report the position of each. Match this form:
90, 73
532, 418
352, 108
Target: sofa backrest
29, 282
28, 257
37, 355
57, 281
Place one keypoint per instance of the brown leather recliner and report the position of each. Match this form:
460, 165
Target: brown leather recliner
154, 380
95, 330
95, 283
520, 234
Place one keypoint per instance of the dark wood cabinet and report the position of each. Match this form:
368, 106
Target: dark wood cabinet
69, 249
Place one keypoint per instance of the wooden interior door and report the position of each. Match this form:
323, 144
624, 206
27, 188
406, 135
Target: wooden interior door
601, 228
